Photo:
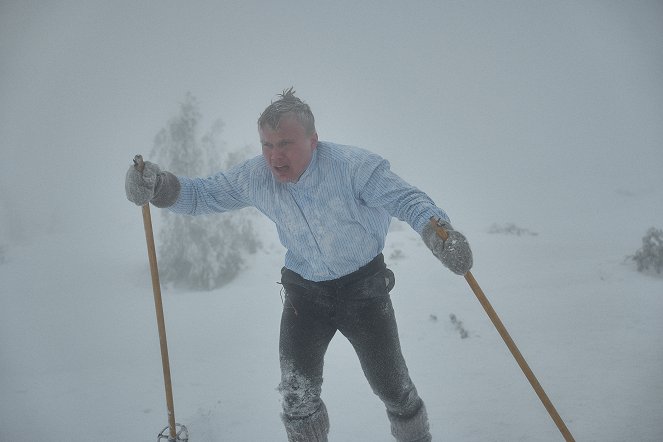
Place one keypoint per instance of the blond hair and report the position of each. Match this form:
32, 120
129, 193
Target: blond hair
287, 103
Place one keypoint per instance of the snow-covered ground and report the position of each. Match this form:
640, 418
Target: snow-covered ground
80, 361
543, 114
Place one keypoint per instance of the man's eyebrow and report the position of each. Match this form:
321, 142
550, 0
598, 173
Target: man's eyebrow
278, 143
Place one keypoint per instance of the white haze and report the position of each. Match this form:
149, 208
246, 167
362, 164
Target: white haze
521, 102
546, 114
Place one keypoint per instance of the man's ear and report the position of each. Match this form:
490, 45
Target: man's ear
314, 140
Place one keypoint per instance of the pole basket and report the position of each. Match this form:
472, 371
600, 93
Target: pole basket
181, 434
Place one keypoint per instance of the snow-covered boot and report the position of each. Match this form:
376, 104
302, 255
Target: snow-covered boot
313, 428
411, 429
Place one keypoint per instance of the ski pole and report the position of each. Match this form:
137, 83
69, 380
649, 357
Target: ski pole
511, 344
174, 434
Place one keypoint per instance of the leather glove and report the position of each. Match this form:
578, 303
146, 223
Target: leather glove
153, 185
454, 252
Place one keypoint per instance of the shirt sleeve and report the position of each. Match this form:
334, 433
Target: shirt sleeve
221, 192
377, 186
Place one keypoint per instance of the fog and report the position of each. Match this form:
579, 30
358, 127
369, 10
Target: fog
546, 114
521, 102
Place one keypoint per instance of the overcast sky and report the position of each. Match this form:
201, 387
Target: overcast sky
472, 100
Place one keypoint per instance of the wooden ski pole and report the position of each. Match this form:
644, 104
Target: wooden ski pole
161, 324
512, 345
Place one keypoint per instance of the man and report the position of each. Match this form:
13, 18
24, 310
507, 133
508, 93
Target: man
332, 206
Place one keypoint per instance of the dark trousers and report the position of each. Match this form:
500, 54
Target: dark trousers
358, 305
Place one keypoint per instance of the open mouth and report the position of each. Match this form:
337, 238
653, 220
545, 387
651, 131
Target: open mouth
281, 172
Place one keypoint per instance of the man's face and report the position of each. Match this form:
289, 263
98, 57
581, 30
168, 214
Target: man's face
287, 149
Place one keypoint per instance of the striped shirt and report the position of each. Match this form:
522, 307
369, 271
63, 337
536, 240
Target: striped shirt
332, 221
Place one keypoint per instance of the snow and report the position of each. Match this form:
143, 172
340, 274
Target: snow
80, 355
518, 117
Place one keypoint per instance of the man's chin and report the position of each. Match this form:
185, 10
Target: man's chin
281, 178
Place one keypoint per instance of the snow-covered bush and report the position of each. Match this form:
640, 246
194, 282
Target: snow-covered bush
203, 252
651, 253
510, 229
458, 324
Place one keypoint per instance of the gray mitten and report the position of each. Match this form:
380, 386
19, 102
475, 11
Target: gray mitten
454, 252
161, 188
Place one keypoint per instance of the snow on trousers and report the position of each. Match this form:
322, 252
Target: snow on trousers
358, 305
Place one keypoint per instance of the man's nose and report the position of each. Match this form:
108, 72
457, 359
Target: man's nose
275, 154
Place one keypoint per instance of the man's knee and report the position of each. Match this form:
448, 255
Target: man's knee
300, 394
400, 398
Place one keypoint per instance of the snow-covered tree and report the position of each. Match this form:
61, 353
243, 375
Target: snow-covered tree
203, 252
650, 255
